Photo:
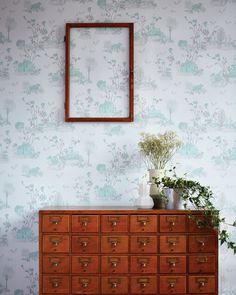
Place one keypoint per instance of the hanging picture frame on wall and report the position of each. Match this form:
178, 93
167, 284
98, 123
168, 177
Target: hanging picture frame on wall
99, 81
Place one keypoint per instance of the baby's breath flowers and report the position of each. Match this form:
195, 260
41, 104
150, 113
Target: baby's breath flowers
159, 149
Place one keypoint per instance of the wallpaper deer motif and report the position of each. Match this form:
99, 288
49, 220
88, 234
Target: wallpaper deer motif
185, 80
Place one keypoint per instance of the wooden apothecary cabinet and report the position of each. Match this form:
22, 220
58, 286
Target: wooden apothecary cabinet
85, 250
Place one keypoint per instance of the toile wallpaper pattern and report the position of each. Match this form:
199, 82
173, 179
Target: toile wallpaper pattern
185, 80
99, 72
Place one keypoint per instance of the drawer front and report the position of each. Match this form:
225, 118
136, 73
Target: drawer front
172, 223
56, 284
143, 244
114, 244
85, 244
172, 284
201, 284
85, 285
115, 264
144, 285
114, 285
56, 243
143, 223
172, 244
143, 264
55, 223
85, 264
114, 223
200, 224
56, 264
172, 264
85, 223
206, 243
202, 264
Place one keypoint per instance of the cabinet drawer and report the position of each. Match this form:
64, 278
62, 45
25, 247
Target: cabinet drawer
206, 243
114, 223
172, 264
85, 285
85, 223
85, 264
172, 284
114, 264
114, 244
172, 244
144, 285
56, 243
201, 284
143, 244
200, 224
85, 244
143, 223
55, 223
202, 264
56, 284
143, 264
114, 285
56, 264
172, 223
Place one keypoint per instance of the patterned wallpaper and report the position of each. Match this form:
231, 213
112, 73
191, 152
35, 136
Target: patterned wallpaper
185, 80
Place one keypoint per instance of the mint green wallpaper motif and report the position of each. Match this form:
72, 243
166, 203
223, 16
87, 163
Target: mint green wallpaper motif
185, 80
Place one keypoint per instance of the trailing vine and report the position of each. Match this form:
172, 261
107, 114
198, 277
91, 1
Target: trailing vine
200, 198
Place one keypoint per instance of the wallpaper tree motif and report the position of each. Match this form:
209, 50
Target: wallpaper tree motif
185, 80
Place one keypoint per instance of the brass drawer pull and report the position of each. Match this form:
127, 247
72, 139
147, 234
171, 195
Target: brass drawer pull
143, 282
55, 241
55, 282
143, 241
143, 262
201, 243
201, 282
114, 283
200, 224
114, 261
84, 262
172, 241
201, 260
84, 243
114, 220
143, 220
172, 261
55, 262
171, 221
55, 219
84, 283
84, 220
114, 242
172, 283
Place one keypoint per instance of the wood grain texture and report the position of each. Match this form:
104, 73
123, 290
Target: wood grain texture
145, 254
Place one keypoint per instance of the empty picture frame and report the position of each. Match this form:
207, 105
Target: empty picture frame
99, 72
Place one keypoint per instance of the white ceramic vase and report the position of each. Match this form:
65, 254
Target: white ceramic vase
157, 173
175, 202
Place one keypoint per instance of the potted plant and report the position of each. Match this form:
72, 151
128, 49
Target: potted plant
157, 151
195, 195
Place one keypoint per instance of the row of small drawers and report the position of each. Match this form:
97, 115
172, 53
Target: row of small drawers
124, 244
123, 223
120, 285
124, 264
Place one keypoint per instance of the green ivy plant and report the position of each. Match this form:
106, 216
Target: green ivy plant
201, 198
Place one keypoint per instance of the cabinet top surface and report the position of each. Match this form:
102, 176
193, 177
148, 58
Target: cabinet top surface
111, 209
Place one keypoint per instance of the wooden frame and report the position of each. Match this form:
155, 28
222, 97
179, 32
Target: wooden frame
69, 117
